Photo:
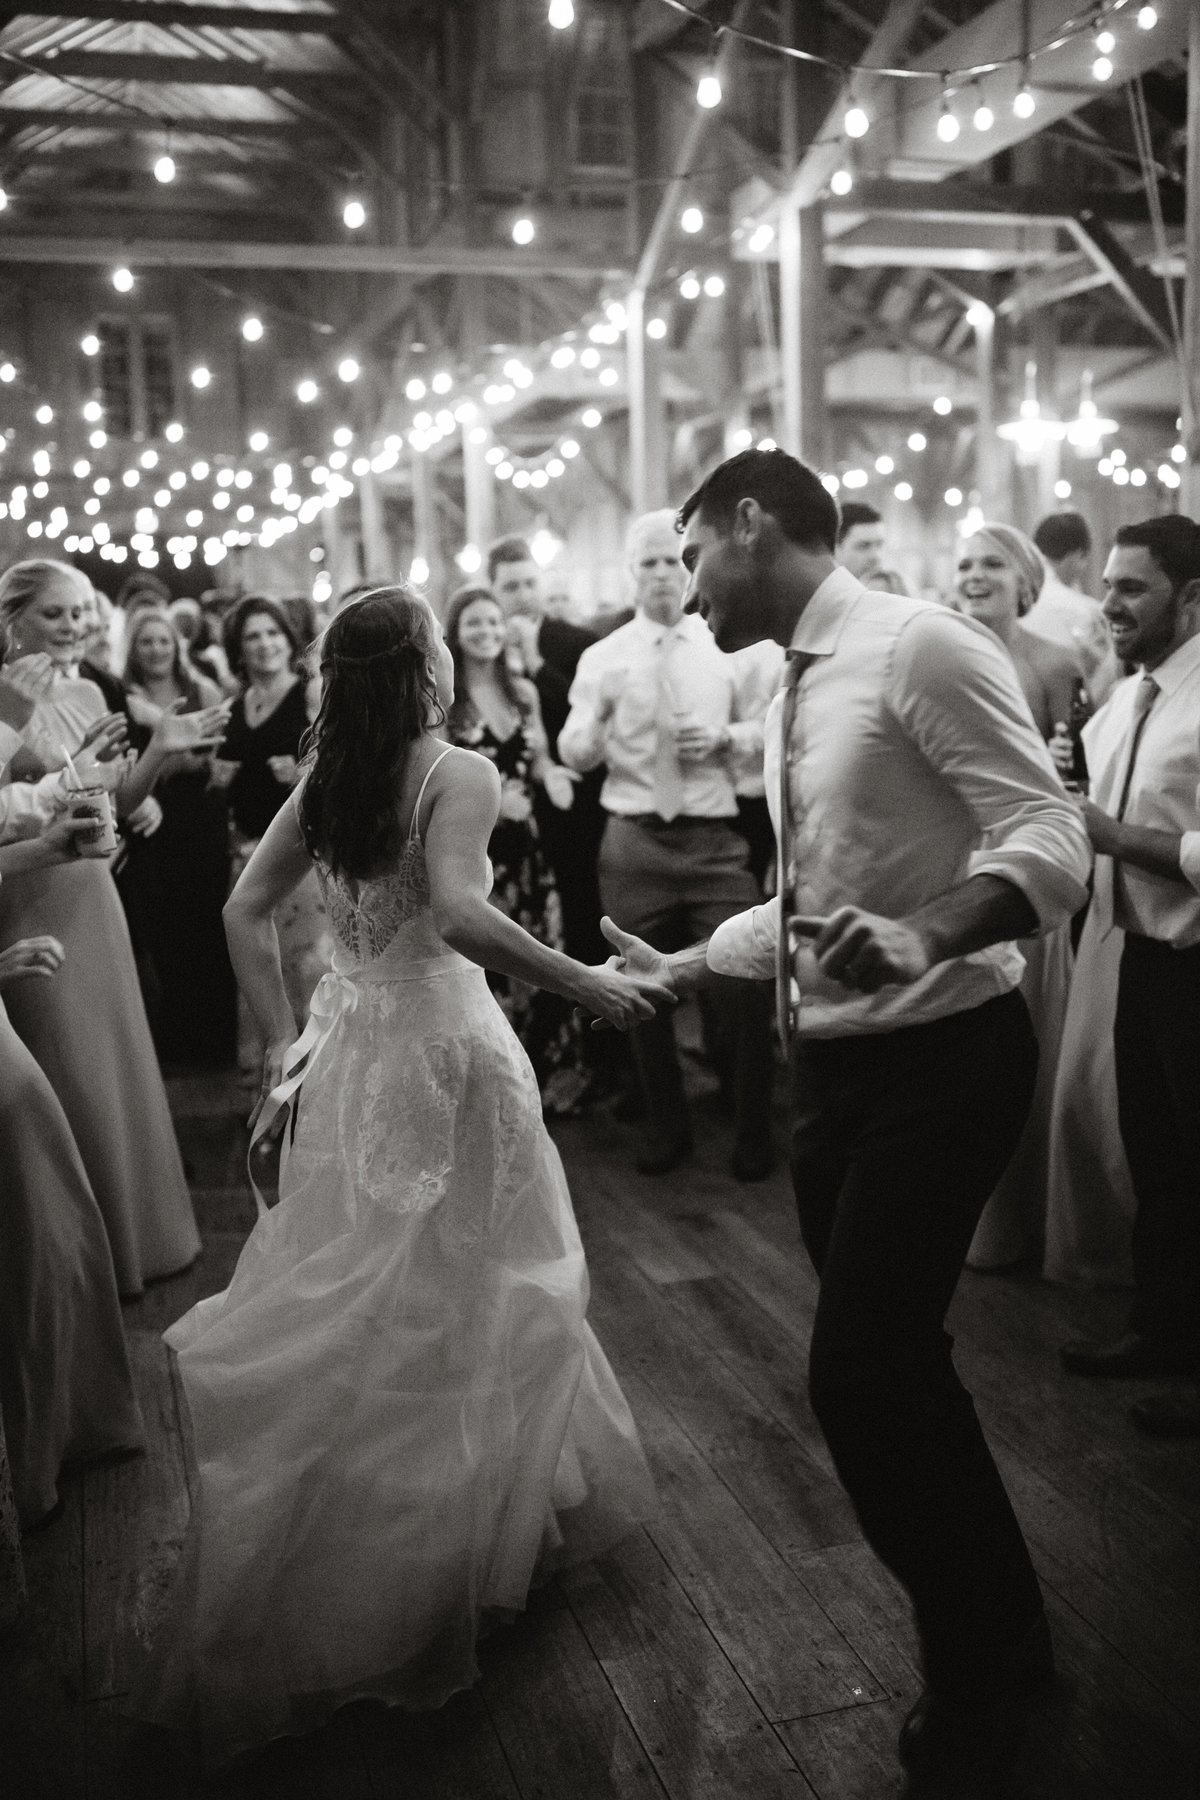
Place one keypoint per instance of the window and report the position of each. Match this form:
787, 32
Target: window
136, 376
602, 94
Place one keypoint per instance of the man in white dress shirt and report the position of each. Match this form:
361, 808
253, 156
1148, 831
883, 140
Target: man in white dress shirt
924, 830
1143, 752
1063, 612
661, 706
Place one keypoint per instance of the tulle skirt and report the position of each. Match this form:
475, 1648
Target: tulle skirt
401, 1416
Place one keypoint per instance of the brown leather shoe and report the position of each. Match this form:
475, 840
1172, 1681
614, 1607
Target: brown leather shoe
1129, 1358
1168, 1415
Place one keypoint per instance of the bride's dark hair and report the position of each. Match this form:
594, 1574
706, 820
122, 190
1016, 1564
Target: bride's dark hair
377, 656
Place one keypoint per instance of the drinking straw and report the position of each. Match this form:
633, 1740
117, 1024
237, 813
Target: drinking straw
73, 771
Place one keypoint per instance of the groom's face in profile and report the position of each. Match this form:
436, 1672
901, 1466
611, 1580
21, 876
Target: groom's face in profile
723, 585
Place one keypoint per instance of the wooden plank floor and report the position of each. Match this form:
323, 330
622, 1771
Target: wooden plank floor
745, 1643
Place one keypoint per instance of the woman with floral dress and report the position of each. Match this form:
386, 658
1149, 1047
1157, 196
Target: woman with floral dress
496, 712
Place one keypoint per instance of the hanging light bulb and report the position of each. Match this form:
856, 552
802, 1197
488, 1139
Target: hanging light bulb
856, 124
1106, 43
3, 199
561, 17
1147, 18
524, 231
90, 345
354, 215
200, 376
691, 219
708, 92
1102, 69
122, 279
349, 369
306, 392
1023, 100
164, 169
841, 181
948, 126
984, 118
252, 329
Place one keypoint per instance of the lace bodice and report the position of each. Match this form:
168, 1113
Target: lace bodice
389, 913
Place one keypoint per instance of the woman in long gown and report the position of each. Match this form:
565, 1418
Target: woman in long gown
176, 879
88, 1029
401, 1417
498, 714
998, 578
258, 764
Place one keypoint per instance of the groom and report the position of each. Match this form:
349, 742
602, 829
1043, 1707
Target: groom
922, 828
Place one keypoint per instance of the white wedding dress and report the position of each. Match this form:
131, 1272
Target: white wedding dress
401, 1417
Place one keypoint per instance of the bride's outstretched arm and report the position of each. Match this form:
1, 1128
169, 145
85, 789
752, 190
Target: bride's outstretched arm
465, 792
277, 866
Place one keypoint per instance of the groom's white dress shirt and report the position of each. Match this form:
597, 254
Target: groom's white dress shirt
914, 763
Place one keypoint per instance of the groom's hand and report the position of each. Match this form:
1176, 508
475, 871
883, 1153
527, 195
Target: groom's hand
637, 958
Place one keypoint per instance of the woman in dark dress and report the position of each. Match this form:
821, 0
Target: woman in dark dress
175, 879
258, 765
497, 713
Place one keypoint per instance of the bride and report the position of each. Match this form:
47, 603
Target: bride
401, 1417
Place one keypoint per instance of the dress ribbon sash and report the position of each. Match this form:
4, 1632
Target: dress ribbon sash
335, 995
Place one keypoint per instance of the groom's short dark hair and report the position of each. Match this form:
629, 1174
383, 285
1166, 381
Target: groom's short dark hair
788, 489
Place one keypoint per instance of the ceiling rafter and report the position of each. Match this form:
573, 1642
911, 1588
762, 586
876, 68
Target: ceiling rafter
152, 67
306, 21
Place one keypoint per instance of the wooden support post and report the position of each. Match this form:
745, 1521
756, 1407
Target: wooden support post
479, 490
801, 330
1189, 493
376, 551
647, 436
995, 493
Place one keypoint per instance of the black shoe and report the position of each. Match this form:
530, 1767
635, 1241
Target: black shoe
752, 1159
659, 1155
1168, 1415
980, 1730
1128, 1358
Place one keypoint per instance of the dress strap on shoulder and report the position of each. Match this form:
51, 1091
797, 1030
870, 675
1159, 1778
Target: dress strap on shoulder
414, 828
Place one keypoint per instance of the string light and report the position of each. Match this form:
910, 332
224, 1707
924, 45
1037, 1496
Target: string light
656, 328
44, 415
1024, 103
258, 440
164, 169
252, 329
708, 92
90, 345
840, 182
200, 377
1147, 18
714, 286
856, 123
3, 199
349, 369
306, 392
354, 215
689, 287
173, 432
524, 230
948, 126
984, 117
122, 279
561, 17
1102, 67
691, 219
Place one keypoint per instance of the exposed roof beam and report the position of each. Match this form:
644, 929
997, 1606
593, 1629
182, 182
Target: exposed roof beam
1142, 293
826, 149
162, 12
208, 71
981, 203
17, 118
362, 259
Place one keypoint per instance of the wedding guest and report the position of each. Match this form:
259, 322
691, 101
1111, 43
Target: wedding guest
1143, 816
662, 708
498, 715
175, 880
923, 828
66, 1392
862, 542
1064, 613
997, 580
258, 765
104, 1073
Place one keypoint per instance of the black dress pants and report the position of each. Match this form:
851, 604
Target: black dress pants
1156, 1040
899, 1139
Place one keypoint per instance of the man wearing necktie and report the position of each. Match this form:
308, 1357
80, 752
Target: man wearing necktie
922, 828
674, 720
1143, 752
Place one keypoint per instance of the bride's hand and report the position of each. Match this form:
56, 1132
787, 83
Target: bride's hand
637, 958
623, 1000
272, 1074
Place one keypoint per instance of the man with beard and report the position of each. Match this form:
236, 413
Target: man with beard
1143, 753
922, 828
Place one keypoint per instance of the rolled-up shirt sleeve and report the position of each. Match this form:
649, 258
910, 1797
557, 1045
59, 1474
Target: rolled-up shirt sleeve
746, 944
581, 740
956, 694
1189, 853
26, 806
